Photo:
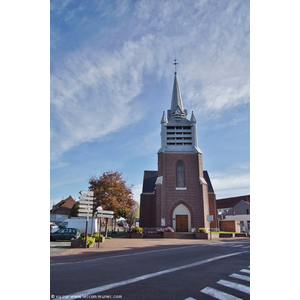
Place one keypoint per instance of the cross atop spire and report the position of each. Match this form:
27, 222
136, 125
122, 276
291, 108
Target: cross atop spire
175, 63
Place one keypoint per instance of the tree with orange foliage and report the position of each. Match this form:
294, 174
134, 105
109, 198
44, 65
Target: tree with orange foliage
112, 193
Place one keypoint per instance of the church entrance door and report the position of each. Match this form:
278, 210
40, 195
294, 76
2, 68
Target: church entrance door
182, 223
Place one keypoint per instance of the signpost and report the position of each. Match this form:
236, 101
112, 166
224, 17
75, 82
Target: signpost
86, 204
107, 214
210, 219
87, 193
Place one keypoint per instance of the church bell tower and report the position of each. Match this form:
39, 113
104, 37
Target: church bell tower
180, 186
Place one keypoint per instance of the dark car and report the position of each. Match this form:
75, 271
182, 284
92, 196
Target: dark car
65, 234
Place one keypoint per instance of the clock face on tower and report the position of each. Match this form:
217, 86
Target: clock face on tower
177, 112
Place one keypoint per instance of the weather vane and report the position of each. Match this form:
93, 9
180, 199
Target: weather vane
175, 63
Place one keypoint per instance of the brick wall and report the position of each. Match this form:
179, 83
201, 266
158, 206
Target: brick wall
194, 197
229, 225
147, 210
213, 209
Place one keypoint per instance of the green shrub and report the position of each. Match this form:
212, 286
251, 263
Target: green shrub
96, 236
203, 230
138, 229
90, 240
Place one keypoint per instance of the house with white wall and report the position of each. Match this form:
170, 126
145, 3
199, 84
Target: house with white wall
235, 208
240, 212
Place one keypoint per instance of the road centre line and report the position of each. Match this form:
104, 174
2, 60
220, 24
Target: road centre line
106, 287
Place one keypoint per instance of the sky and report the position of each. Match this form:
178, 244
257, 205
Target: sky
111, 78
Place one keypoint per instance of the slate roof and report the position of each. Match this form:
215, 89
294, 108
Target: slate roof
151, 176
207, 179
149, 181
176, 96
64, 206
232, 201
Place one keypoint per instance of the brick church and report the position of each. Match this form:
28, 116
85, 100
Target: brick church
180, 194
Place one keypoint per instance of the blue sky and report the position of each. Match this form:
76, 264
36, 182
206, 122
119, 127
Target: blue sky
112, 75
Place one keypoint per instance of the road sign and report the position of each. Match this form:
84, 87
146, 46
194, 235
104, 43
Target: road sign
85, 205
84, 215
84, 197
87, 193
109, 212
85, 210
87, 202
210, 218
105, 216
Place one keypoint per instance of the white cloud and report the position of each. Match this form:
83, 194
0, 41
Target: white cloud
96, 92
92, 94
231, 182
137, 190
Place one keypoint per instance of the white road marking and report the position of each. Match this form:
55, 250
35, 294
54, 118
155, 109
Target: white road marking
190, 298
236, 286
218, 294
242, 277
245, 271
227, 245
106, 287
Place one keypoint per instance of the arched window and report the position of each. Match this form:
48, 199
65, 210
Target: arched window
180, 174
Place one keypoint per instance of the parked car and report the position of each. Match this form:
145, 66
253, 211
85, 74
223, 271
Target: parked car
80, 223
65, 234
53, 228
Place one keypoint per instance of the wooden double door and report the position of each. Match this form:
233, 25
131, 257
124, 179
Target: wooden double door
182, 224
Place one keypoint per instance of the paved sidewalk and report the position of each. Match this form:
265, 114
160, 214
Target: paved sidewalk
125, 246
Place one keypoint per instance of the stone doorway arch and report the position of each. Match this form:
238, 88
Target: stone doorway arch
181, 218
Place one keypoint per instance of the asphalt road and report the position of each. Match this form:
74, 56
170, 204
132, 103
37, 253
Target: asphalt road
186, 272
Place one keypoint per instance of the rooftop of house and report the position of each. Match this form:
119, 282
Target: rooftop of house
232, 201
149, 181
65, 203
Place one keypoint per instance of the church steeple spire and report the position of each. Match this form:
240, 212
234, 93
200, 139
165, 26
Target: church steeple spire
176, 96
178, 134
176, 103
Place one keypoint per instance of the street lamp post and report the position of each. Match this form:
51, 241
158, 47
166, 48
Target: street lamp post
99, 208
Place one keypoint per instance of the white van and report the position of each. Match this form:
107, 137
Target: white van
80, 223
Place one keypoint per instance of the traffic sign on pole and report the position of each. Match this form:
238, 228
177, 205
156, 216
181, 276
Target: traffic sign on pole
87, 202
84, 215
105, 216
87, 193
85, 210
86, 198
109, 212
85, 206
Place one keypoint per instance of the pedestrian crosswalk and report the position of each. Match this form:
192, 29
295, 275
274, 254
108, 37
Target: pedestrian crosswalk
241, 284
236, 286
238, 276
218, 294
